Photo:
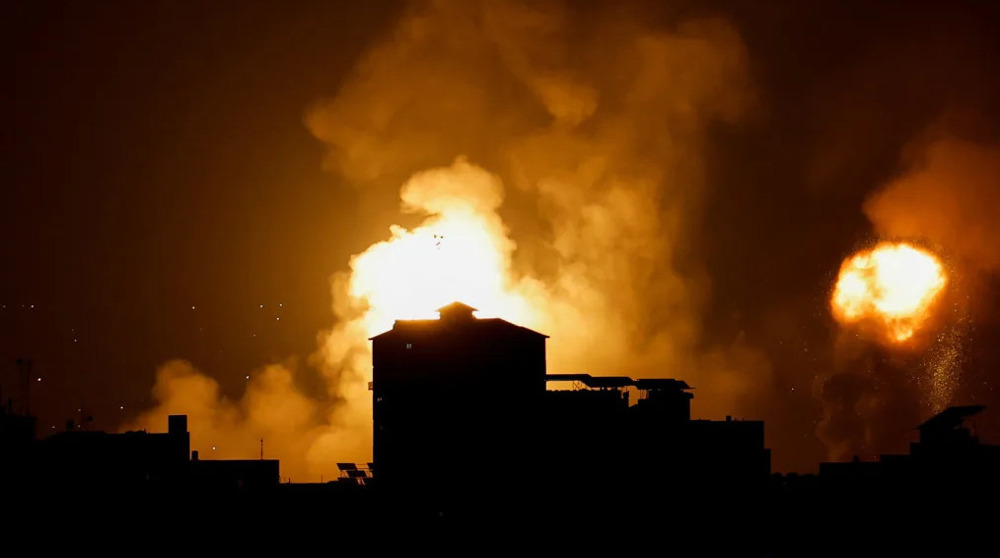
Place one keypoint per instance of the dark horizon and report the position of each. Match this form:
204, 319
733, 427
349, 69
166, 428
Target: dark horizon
449, 459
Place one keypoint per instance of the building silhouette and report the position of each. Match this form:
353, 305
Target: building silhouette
594, 424
233, 474
17, 442
85, 460
454, 400
136, 463
471, 432
946, 462
461, 407
940, 498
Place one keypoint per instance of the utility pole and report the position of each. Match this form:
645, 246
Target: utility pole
262, 449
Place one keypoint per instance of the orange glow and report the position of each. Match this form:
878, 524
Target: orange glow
893, 284
418, 271
461, 252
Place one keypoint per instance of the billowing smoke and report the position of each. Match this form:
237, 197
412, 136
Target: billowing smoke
595, 121
558, 151
304, 433
872, 403
948, 198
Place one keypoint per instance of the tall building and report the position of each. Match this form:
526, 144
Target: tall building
455, 400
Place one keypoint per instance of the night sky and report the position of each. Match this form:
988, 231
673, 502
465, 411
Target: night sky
163, 197
159, 186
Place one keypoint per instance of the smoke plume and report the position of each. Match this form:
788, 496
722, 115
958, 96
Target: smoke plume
558, 151
949, 197
597, 120
299, 430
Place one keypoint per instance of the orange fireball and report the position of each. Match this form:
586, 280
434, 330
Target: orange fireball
461, 251
894, 285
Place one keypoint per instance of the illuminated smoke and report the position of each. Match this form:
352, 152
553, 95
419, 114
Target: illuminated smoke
594, 123
460, 252
296, 428
555, 156
947, 197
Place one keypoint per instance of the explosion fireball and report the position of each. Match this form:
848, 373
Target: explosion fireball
460, 252
893, 285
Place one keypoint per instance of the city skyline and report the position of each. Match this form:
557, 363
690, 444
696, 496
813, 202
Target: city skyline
208, 210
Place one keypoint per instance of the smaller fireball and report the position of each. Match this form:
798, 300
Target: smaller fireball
894, 285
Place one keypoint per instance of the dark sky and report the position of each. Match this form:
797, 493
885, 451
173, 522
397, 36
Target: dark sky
155, 160
159, 184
